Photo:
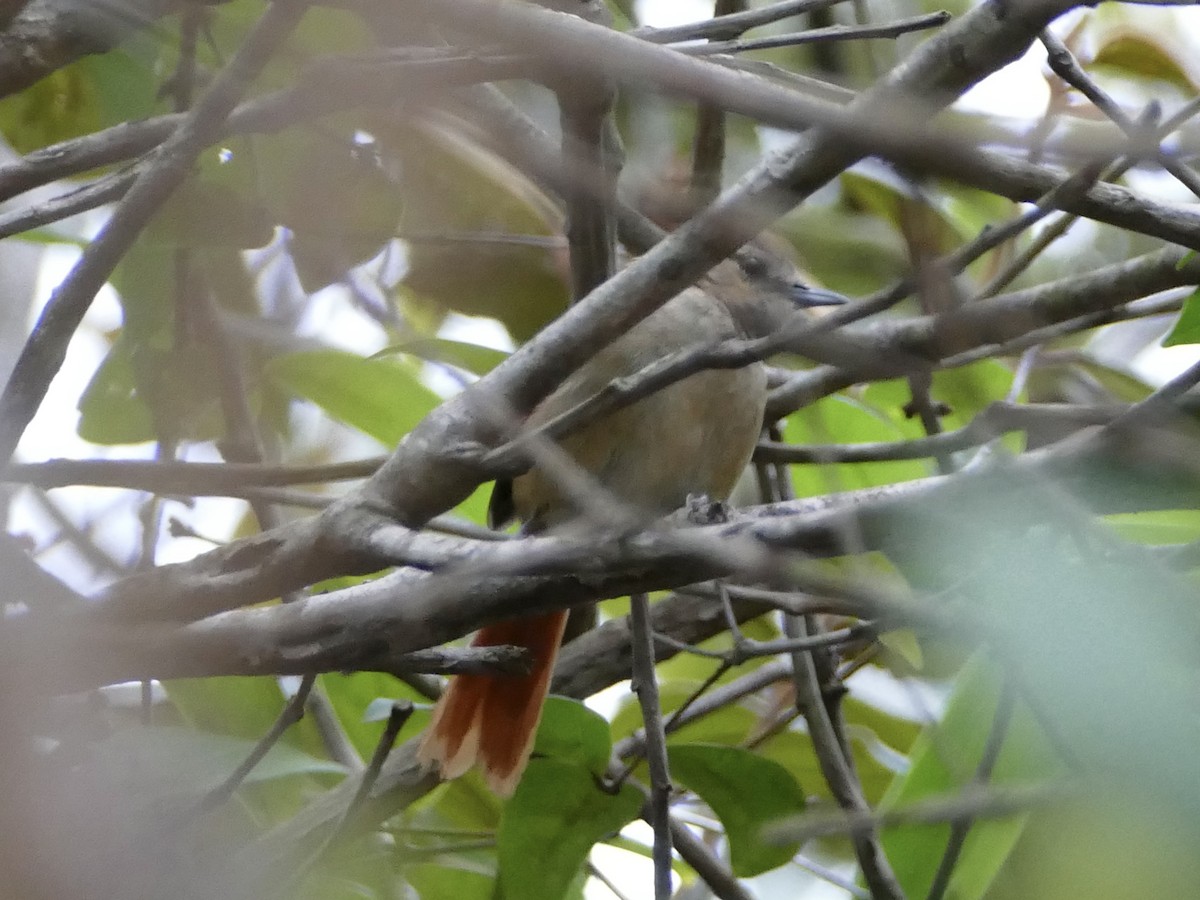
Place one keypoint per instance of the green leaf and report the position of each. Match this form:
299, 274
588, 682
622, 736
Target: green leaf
472, 357
571, 732
1187, 327
550, 825
239, 707
383, 398
110, 411
838, 419
85, 96
944, 758
1142, 55
848, 251
357, 697
457, 195
1158, 527
887, 197
206, 213
746, 791
171, 760
445, 882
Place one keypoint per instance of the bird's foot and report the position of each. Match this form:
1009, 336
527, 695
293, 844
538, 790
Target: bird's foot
701, 509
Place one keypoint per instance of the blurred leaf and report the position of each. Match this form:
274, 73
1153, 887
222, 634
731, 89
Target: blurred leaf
158, 364
551, 823
338, 202
793, 750
474, 358
446, 882
110, 411
49, 236
571, 732
207, 214
887, 197
167, 760
454, 189
1187, 327
903, 643
323, 30
944, 759
90, 94
1109, 846
1143, 55
852, 252
1120, 383
382, 398
745, 791
1158, 527
464, 803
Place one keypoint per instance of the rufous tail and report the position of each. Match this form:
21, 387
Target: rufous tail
491, 721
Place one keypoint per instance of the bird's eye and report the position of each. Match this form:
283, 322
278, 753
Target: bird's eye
752, 265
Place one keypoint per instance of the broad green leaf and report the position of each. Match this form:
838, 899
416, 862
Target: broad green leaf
239, 707
571, 732
463, 803
352, 696
838, 419
551, 823
1187, 327
745, 791
904, 645
382, 398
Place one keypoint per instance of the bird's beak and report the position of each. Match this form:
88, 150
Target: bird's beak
805, 297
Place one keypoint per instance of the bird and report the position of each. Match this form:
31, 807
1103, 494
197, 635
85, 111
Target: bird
692, 438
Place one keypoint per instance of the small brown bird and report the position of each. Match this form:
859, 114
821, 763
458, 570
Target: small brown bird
693, 437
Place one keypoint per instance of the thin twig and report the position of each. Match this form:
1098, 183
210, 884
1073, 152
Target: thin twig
732, 24
1065, 66
995, 420
959, 828
976, 802
820, 35
645, 685
720, 880
292, 712
705, 702
836, 768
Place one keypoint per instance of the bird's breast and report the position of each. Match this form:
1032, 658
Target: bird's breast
693, 437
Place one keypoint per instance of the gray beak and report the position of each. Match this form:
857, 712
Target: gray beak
805, 297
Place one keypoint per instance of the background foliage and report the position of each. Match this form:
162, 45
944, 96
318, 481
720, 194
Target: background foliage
303, 298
